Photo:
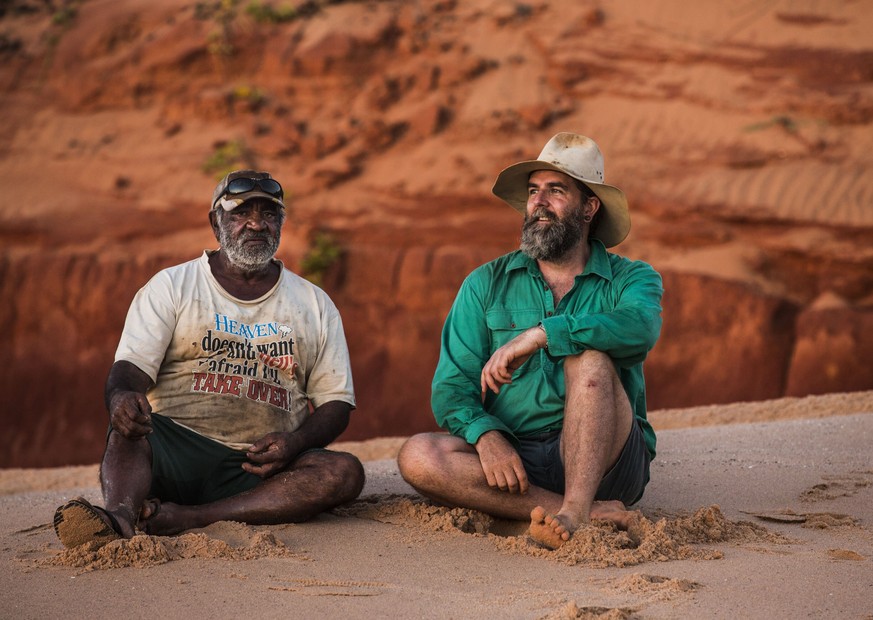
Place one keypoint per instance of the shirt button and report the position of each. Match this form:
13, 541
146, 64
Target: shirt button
512, 324
545, 287
549, 313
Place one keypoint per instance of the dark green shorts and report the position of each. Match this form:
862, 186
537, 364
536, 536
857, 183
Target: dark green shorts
188, 468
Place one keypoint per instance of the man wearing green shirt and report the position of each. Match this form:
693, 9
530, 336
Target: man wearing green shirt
540, 378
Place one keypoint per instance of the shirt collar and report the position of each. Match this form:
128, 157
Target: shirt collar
598, 261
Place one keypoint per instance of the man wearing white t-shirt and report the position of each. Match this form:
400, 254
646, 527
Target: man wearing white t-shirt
231, 376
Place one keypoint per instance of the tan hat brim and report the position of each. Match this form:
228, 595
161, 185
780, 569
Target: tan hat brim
614, 226
229, 203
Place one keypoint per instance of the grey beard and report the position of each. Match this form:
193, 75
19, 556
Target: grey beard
248, 258
551, 242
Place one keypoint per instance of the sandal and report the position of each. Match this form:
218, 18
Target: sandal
78, 522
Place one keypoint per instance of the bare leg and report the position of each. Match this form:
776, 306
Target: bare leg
447, 469
315, 482
125, 477
597, 423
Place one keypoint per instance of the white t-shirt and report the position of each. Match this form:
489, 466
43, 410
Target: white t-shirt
230, 369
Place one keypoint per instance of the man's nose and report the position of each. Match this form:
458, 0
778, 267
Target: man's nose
538, 199
256, 220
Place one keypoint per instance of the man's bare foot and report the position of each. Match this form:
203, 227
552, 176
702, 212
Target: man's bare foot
162, 518
150, 507
551, 531
624, 519
616, 512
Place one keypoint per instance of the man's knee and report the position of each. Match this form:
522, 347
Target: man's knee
412, 454
342, 474
419, 456
591, 368
350, 472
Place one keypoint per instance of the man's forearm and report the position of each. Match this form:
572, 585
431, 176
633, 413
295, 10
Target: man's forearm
125, 377
325, 424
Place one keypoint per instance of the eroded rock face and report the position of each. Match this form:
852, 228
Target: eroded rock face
833, 350
388, 123
721, 342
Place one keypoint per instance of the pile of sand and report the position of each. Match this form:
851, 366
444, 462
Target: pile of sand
143, 550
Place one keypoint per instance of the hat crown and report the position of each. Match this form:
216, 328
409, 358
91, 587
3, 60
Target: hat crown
229, 203
236, 174
578, 156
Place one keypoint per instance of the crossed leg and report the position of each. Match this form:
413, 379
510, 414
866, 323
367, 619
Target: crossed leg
597, 423
316, 481
447, 469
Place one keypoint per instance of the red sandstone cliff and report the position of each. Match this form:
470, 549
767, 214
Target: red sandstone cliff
741, 134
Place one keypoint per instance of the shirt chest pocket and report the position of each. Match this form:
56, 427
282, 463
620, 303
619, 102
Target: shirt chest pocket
505, 324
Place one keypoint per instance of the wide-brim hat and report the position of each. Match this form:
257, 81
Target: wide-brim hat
579, 157
229, 202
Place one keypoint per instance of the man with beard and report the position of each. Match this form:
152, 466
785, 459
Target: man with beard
540, 376
231, 376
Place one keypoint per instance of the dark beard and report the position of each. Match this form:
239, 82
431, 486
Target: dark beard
550, 242
246, 258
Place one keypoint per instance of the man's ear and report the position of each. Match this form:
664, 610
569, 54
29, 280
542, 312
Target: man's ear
213, 222
592, 206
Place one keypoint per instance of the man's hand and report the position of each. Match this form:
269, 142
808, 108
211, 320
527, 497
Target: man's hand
501, 463
271, 454
130, 414
507, 359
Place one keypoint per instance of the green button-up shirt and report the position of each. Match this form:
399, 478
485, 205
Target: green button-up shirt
613, 307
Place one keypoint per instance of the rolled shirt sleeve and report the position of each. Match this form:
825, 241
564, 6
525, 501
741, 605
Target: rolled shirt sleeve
626, 332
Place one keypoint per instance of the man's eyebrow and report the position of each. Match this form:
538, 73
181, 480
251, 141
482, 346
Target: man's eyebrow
550, 184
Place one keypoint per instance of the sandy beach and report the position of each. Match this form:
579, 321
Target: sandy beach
755, 510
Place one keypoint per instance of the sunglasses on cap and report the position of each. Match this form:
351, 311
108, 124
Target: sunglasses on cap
243, 185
